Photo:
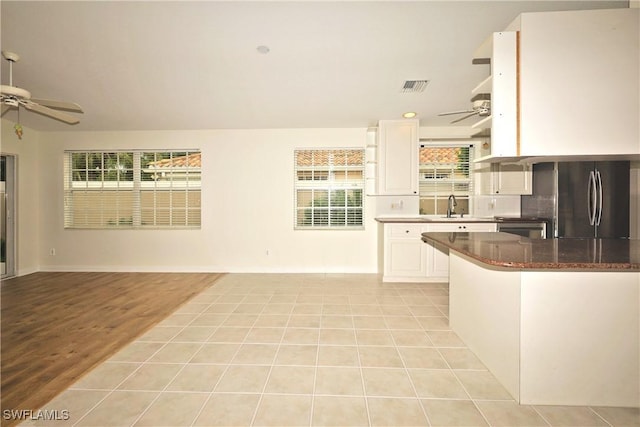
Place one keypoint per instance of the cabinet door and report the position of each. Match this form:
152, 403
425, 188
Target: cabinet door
483, 174
405, 259
437, 262
398, 157
512, 178
403, 252
505, 178
591, 105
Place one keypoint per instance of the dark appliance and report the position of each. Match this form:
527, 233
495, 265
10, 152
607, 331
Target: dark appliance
593, 199
531, 227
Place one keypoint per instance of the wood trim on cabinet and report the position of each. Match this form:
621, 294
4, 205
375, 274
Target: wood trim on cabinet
518, 93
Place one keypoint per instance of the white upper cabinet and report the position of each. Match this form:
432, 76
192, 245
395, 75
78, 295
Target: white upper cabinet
576, 80
398, 157
502, 87
505, 178
502, 178
512, 178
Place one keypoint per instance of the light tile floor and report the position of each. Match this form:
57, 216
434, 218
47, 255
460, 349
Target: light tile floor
306, 350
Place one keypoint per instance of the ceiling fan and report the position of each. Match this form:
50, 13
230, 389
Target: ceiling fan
15, 97
480, 107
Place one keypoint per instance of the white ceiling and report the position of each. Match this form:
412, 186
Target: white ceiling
194, 65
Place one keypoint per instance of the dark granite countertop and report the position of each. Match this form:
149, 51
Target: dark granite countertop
504, 250
427, 219
431, 219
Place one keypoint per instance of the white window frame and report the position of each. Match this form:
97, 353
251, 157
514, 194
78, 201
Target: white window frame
132, 191
439, 180
324, 182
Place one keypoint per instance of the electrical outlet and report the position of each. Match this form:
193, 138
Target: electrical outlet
397, 205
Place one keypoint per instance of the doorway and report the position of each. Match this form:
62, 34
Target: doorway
7, 216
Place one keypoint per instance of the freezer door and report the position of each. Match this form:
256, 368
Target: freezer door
614, 217
574, 199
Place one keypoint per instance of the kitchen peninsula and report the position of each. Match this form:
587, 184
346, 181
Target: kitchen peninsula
557, 321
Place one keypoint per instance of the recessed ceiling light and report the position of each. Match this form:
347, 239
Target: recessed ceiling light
409, 115
263, 49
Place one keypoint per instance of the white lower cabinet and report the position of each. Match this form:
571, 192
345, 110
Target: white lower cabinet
403, 253
406, 258
437, 260
460, 227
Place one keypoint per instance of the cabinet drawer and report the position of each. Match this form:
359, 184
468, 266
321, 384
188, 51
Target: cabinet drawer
463, 226
404, 231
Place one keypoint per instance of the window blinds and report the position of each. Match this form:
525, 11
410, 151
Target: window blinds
444, 170
329, 188
132, 189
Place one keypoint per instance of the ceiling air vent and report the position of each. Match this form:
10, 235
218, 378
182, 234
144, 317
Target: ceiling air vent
413, 86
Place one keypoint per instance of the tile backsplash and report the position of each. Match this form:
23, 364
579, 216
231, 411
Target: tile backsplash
397, 205
488, 206
483, 206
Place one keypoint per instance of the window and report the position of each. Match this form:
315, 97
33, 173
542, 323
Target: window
132, 189
329, 188
445, 170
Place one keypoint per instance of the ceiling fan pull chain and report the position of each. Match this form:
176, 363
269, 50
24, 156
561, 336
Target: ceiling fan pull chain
18, 127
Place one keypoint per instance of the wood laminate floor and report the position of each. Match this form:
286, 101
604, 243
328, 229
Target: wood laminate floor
58, 326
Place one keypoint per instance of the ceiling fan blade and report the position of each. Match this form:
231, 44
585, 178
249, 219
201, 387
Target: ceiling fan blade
465, 117
46, 111
456, 112
59, 105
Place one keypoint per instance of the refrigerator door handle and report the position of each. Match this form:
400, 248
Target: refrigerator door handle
591, 198
599, 195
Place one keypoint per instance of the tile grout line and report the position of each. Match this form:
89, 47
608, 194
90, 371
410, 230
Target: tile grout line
135, 370
275, 356
601, 417
541, 416
453, 371
315, 371
327, 292
184, 364
406, 370
364, 387
224, 371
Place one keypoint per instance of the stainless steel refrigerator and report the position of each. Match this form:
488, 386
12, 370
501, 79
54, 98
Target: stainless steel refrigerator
593, 199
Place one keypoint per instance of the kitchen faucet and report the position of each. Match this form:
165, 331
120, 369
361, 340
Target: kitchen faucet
451, 204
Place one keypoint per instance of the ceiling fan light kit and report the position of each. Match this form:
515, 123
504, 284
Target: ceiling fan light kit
15, 97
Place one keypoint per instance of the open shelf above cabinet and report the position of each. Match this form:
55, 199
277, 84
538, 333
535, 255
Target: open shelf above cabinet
484, 87
482, 55
485, 123
500, 87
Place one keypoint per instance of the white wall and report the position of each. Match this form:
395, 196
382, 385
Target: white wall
27, 192
247, 208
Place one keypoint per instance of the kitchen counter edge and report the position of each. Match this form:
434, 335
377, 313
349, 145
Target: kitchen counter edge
544, 254
430, 220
